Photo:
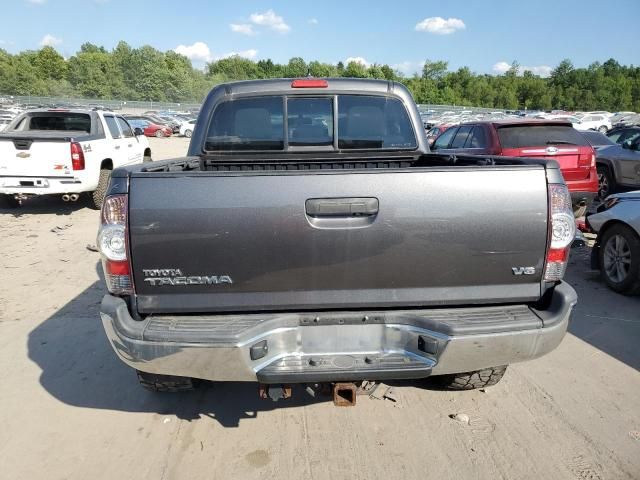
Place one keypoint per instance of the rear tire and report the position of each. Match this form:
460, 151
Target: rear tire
165, 383
603, 129
188, 133
9, 201
159, 134
486, 377
606, 182
620, 267
97, 196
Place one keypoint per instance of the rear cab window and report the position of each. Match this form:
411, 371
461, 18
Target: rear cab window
55, 121
330, 122
373, 122
520, 136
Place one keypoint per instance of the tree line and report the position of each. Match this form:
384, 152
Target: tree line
146, 73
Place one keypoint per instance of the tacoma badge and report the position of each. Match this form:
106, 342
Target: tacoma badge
175, 277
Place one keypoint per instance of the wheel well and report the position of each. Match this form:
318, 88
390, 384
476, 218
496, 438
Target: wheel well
610, 224
107, 164
607, 166
147, 152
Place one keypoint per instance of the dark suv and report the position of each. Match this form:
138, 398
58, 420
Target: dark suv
553, 140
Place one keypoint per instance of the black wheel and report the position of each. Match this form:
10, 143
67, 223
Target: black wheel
159, 134
620, 259
9, 201
603, 129
97, 196
606, 182
471, 380
164, 383
188, 133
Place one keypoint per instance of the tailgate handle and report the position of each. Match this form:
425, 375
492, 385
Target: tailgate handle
342, 207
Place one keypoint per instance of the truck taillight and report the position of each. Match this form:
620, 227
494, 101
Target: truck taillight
77, 156
562, 232
113, 245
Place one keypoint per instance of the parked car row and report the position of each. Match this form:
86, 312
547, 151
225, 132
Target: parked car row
163, 124
597, 120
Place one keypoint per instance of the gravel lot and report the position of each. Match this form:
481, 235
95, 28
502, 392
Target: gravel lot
71, 410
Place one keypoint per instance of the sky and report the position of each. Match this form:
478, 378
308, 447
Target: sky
485, 35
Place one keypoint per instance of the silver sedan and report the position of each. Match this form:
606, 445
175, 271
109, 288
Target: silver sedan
617, 250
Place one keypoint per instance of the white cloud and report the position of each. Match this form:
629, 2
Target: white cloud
440, 26
271, 20
501, 67
243, 28
250, 54
542, 70
313, 21
199, 51
50, 41
408, 68
360, 60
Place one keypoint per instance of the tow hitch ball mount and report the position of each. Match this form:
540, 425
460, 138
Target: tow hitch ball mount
343, 393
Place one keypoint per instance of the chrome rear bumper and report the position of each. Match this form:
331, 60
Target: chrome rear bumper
336, 346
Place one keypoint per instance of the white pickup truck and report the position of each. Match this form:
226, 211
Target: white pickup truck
66, 153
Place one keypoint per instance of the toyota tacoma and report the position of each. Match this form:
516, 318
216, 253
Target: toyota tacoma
310, 237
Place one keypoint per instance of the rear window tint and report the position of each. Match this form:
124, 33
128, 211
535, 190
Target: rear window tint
310, 121
60, 121
520, 136
257, 123
373, 122
247, 124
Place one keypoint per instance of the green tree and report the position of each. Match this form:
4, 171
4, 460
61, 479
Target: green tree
296, 67
434, 70
355, 70
49, 64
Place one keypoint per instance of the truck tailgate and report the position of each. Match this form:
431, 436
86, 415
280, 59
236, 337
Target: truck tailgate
30, 157
257, 241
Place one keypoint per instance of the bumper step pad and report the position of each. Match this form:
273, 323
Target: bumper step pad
320, 368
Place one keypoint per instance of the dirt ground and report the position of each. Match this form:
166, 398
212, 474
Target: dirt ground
71, 410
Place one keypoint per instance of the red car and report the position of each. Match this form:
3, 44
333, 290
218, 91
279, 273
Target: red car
549, 139
151, 129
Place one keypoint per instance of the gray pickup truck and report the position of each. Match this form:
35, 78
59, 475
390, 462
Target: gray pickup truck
310, 237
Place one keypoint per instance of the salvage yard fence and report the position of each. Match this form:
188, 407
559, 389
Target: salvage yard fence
139, 106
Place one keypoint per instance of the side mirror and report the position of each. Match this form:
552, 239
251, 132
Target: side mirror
138, 131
